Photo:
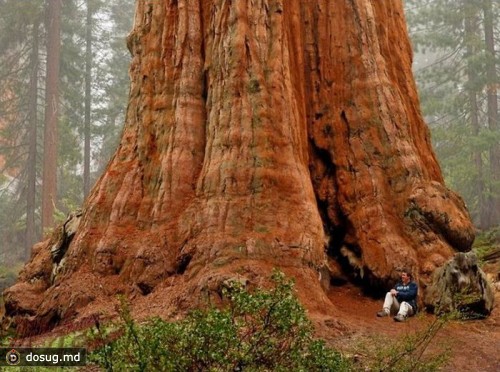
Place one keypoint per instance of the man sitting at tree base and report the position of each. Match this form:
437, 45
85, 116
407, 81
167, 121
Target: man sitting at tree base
401, 298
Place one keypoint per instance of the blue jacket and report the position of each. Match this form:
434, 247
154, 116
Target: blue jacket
407, 293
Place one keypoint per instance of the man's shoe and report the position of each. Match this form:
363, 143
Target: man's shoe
382, 313
399, 318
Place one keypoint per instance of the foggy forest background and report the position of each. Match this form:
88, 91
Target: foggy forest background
456, 66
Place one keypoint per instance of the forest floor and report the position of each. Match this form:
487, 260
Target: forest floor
474, 344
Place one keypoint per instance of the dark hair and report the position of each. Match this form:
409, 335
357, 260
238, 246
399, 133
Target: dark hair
407, 272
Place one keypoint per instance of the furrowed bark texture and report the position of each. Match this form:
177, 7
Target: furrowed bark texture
259, 134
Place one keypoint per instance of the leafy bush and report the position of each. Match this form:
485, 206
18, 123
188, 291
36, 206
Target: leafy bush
408, 353
8, 275
262, 330
487, 242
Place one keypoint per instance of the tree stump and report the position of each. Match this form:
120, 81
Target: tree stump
460, 285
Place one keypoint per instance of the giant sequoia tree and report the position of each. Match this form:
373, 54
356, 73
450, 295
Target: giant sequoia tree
259, 134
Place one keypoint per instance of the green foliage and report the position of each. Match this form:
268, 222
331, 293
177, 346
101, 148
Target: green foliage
73, 339
8, 275
450, 36
11, 227
408, 353
262, 330
111, 22
110, 99
466, 301
487, 242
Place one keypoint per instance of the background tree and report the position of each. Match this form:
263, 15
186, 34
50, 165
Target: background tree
50, 138
22, 74
492, 82
110, 95
88, 98
286, 134
459, 95
31, 235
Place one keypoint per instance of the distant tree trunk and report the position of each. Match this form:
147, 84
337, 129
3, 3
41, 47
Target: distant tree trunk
470, 37
492, 111
49, 179
31, 234
258, 134
88, 100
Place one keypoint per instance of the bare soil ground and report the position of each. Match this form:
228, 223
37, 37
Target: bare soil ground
475, 344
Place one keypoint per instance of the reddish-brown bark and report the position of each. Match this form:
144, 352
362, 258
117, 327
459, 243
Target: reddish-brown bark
259, 134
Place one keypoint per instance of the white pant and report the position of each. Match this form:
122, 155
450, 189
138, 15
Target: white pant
391, 303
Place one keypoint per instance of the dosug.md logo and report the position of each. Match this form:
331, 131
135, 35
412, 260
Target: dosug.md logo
13, 358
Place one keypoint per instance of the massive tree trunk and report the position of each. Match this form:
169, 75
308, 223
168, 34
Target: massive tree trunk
259, 134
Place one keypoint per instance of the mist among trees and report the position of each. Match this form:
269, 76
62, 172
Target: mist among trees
63, 73
456, 46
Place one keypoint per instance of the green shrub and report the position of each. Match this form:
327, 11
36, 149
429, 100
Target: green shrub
407, 353
263, 330
487, 242
8, 274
